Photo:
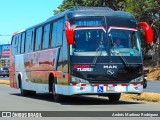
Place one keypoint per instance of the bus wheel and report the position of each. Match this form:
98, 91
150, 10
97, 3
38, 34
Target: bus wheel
56, 97
144, 83
32, 93
114, 97
23, 92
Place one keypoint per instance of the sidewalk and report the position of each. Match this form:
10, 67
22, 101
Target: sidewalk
6, 82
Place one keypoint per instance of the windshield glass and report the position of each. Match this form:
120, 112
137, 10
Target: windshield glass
89, 41
124, 41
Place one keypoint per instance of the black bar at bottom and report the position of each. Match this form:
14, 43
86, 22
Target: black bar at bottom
79, 113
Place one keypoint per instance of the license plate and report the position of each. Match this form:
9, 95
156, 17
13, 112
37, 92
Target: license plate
111, 88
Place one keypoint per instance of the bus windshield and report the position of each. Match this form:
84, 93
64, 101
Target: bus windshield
124, 41
89, 41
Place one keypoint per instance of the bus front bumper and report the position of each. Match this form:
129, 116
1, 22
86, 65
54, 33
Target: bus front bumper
97, 89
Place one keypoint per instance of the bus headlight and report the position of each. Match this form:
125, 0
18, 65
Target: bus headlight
137, 80
78, 80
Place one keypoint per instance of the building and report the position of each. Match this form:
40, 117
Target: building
4, 54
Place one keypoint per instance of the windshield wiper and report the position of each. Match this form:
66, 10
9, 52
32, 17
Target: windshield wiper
97, 55
124, 61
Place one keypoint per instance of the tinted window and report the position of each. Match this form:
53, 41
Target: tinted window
33, 40
54, 34
14, 50
38, 38
16, 44
59, 32
22, 43
46, 36
19, 43
28, 41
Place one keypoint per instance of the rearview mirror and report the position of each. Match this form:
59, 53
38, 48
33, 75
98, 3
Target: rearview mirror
148, 31
69, 33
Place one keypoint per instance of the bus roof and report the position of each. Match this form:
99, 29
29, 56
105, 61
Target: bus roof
87, 11
92, 11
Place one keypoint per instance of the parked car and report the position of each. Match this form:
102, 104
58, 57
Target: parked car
4, 71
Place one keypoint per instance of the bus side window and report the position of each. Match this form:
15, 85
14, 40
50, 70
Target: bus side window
54, 34
45, 41
28, 41
16, 44
19, 44
22, 43
59, 32
14, 47
38, 38
42, 38
50, 36
33, 40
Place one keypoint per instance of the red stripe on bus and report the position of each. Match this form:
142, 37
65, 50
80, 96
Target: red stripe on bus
124, 84
83, 84
73, 84
135, 84
114, 84
96, 84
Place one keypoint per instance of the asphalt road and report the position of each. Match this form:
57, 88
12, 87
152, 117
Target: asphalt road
11, 100
152, 86
43, 101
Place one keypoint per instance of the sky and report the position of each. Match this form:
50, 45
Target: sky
16, 15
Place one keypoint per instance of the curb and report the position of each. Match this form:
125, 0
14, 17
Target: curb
6, 82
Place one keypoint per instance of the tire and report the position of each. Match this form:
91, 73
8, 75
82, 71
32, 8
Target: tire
56, 97
23, 92
32, 93
114, 97
144, 83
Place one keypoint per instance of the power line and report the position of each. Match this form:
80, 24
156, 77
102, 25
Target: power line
5, 35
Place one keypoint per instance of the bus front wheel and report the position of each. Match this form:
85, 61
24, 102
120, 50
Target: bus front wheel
114, 97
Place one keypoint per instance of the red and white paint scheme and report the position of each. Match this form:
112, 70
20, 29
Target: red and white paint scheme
74, 53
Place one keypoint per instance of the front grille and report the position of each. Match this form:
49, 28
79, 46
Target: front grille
103, 79
107, 81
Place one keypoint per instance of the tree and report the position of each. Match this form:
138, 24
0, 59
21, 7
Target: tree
149, 11
66, 4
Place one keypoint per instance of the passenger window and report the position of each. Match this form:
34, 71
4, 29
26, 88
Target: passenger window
54, 34
14, 47
38, 38
22, 43
46, 36
18, 44
59, 32
28, 41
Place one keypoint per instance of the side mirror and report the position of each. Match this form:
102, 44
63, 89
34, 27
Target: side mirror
148, 31
69, 33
